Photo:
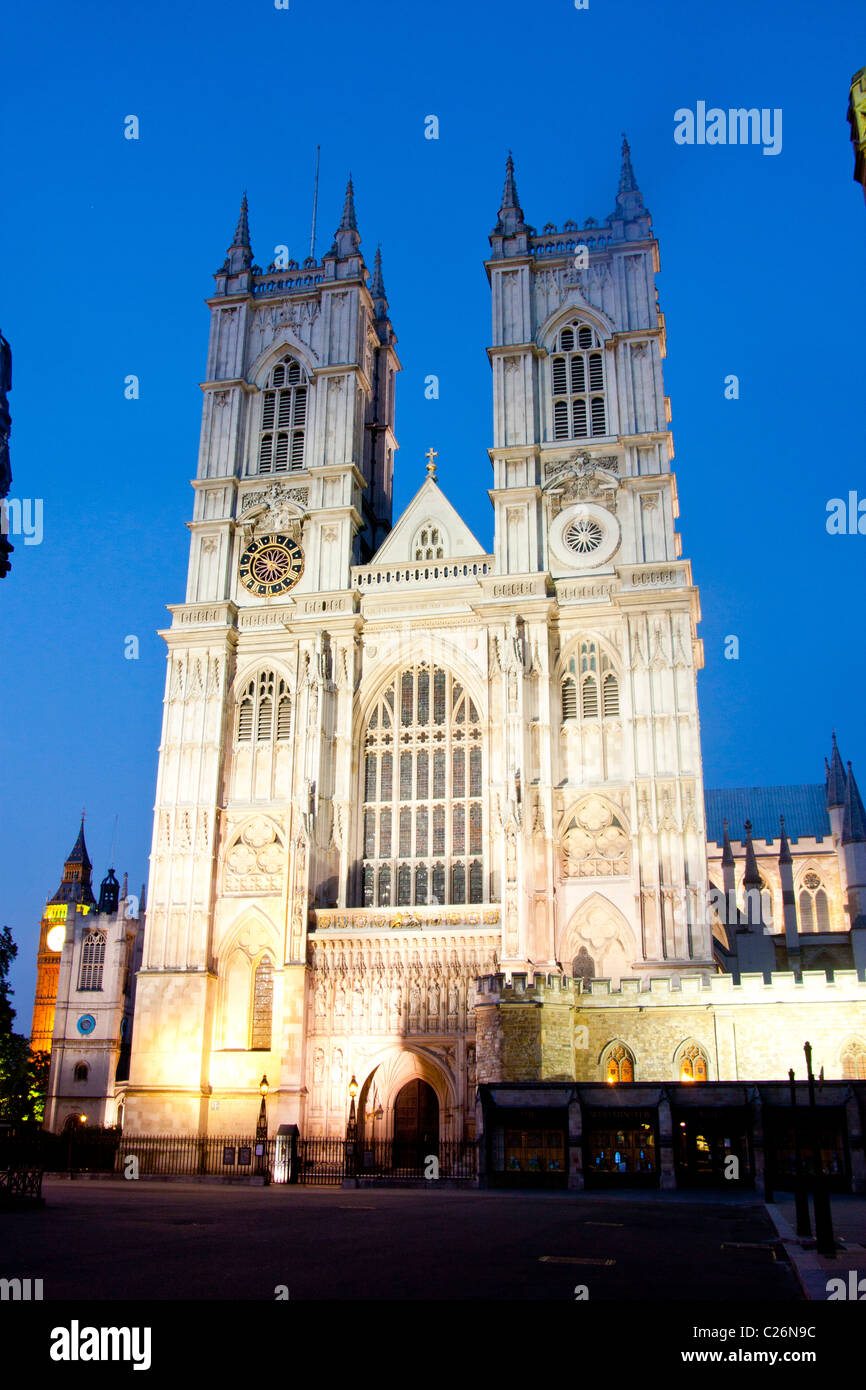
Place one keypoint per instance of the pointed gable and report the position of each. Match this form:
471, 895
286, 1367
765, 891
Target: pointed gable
430, 512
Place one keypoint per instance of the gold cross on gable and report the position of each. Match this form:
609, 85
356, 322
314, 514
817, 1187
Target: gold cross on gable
431, 456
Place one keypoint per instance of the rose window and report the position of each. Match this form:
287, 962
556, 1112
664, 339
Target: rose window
583, 535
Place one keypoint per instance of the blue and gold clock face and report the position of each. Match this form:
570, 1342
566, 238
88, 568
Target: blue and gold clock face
271, 565
86, 1024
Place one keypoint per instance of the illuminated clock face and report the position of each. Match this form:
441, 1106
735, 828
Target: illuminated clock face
271, 565
55, 938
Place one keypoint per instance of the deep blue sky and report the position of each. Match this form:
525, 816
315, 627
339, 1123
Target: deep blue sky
107, 248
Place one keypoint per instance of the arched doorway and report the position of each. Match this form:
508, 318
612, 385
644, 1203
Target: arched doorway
416, 1123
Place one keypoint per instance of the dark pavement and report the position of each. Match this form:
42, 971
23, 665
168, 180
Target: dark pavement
146, 1240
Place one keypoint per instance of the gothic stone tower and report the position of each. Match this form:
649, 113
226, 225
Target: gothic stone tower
293, 487
76, 891
599, 769
392, 762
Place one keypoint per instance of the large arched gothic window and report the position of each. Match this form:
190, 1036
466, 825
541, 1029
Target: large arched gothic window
422, 820
814, 906
284, 418
92, 961
264, 711
589, 686
577, 367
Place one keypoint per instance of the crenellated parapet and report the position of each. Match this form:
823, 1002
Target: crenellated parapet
533, 1027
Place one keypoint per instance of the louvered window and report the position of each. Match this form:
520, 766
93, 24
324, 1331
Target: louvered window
577, 377
589, 698
435, 800
569, 698
590, 685
610, 698
265, 714
284, 714
257, 707
284, 419
245, 714
92, 961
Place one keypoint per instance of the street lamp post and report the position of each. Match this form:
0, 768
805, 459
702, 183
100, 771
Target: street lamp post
262, 1128
352, 1130
801, 1195
824, 1241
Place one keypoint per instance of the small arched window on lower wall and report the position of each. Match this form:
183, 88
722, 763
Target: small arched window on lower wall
692, 1064
82, 1071
618, 1064
854, 1061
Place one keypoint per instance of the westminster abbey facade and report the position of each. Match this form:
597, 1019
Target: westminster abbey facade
430, 817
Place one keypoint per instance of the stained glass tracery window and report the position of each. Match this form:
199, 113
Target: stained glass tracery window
423, 772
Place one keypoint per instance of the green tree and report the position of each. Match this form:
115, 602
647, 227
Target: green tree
23, 1074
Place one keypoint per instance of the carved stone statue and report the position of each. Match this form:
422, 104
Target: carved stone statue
396, 1001
414, 1000
357, 999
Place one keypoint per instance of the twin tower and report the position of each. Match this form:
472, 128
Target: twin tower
392, 762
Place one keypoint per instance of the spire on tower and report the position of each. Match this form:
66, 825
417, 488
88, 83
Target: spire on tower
629, 199
76, 886
727, 852
377, 284
835, 777
347, 239
854, 816
348, 222
627, 180
751, 876
242, 230
785, 856
511, 218
239, 256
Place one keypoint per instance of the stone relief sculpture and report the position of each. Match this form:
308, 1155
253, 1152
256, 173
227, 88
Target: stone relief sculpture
594, 842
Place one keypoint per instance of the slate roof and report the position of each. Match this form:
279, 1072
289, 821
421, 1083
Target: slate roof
804, 809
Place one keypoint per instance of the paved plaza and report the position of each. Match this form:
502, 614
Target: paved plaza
185, 1240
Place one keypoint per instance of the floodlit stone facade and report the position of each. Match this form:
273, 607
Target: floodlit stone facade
393, 765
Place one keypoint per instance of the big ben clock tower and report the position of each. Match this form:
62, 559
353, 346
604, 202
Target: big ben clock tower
75, 889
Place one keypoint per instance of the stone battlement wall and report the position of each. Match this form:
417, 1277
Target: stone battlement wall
752, 988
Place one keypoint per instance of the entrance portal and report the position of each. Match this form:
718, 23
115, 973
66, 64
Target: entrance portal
416, 1124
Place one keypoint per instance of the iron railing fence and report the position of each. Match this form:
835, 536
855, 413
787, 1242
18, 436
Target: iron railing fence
324, 1160
20, 1185
320, 1160
177, 1155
